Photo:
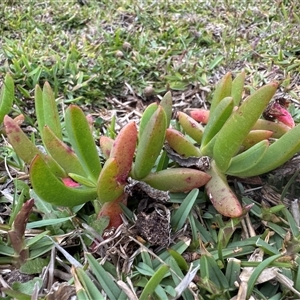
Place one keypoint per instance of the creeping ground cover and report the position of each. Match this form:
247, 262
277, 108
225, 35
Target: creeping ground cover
149, 150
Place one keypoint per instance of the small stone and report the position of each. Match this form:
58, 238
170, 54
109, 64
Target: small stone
149, 91
126, 46
119, 54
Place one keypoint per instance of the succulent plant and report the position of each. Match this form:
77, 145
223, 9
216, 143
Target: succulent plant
73, 175
236, 139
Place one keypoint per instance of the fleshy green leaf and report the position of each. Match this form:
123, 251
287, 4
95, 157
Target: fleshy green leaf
177, 179
50, 111
166, 103
217, 119
82, 141
181, 144
190, 126
223, 89
62, 153
278, 153
220, 194
51, 189
108, 186
235, 130
238, 88
150, 143
154, 282
6, 96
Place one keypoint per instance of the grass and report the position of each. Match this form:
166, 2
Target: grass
95, 53
88, 52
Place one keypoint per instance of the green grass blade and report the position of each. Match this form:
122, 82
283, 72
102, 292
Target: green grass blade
36, 238
267, 248
180, 216
291, 221
209, 269
233, 271
154, 282
178, 279
258, 270
179, 259
187, 279
180, 247
88, 285
106, 281
146, 258
47, 222
145, 269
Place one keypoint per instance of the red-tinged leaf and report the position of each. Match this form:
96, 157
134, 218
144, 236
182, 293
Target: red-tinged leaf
277, 111
110, 183
113, 177
62, 153
150, 142
19, 119
177, 179
282, 115
113, 211
106, 144
90, 120
180, 143
286, 119
17, 233
200, 115
24, 148
190, 126
123, 150
20, 222
220, 194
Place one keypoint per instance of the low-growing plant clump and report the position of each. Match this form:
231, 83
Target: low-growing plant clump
138, 172
165, 199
